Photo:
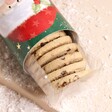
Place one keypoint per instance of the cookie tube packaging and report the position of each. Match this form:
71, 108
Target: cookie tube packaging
44, 43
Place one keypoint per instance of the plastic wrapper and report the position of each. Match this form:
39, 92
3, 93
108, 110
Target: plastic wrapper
44, 44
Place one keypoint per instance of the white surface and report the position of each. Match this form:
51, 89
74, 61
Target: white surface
92, 20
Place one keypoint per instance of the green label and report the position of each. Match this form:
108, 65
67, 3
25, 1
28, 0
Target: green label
20, 49
24, 26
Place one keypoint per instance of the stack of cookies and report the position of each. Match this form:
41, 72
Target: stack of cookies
60, 58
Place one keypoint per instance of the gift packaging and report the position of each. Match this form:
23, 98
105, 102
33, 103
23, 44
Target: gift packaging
44, 43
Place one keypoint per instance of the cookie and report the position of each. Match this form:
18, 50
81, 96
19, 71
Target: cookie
64, 81
56, 53
47, 39
52, 45
62, 61
30, 60
67, 70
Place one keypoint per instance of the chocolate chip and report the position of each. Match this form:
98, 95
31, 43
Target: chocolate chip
68, 50
42, 44
64, 84
64, 65
77, 50
63, 73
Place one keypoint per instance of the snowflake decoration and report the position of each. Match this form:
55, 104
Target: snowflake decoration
18, 46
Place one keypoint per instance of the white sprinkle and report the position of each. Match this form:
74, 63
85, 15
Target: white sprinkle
45, 77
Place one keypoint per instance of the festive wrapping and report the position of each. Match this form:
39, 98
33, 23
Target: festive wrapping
23, 23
